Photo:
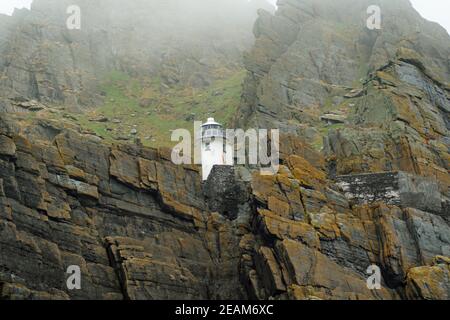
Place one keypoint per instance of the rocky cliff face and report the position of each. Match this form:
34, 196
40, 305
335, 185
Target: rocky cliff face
309, 52
140, 227
374, 192
189, 43
136, 224
390, 87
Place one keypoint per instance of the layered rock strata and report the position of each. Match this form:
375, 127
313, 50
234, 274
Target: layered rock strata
140, 227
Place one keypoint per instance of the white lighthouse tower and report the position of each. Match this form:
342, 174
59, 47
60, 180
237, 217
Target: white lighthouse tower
214, 147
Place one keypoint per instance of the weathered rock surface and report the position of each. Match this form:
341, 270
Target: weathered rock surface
140, 227
309, 51
430, 282
135, 224
187, 43
313, 58
393, 82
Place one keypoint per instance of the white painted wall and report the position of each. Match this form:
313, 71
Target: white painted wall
212, 155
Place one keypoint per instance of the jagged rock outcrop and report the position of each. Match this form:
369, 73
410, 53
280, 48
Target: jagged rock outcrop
323, 246
189, 43
311, 51
406, 130
313, 57
430, 282
140, 227
135, 223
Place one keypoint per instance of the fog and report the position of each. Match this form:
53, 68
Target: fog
433, 10
179, 41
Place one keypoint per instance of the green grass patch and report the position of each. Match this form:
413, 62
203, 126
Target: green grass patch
154, 110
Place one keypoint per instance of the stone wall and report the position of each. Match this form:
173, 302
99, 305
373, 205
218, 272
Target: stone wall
226, 193
394, 188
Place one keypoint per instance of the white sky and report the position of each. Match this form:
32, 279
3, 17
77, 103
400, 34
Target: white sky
7, 6
434, 10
